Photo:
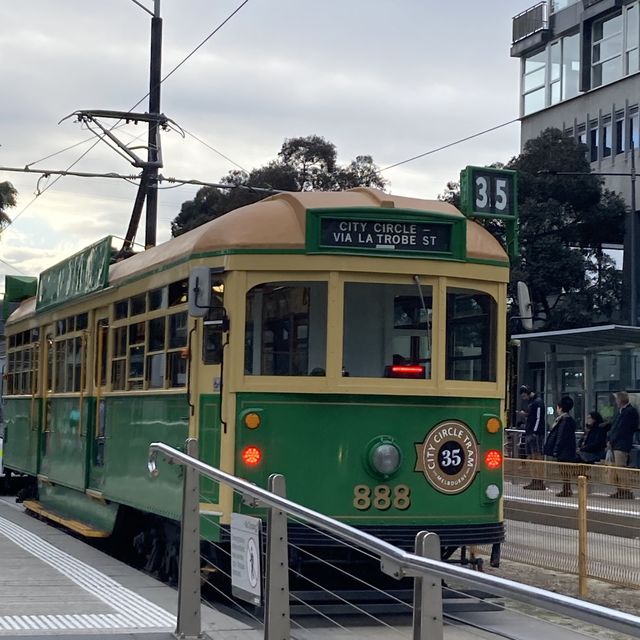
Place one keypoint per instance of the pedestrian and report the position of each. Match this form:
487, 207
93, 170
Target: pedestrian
561, 443
534, 431
620, 441
593, 444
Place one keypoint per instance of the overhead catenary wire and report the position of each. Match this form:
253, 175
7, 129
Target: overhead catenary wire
117, 123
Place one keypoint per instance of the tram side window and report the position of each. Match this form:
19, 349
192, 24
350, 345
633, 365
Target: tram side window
212, 332
286, 329
387, 330
471, 335
22, 363
176, 361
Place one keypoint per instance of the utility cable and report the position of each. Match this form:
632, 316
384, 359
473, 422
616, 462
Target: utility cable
20, 271
213, 33
206, 144
445, 146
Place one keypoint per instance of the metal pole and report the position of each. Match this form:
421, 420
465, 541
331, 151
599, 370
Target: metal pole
582, 536
155, 80
427, 592
277, 622
634, 242
188, 624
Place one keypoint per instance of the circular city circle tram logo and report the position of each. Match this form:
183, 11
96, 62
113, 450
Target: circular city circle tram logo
448, 457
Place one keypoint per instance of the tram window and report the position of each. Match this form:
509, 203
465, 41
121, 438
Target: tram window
212, 331
138, 304
157, 299
121, 309
176, 369
120, 342
136, 333
136, 367
118, 374
156, 334
471, 335
178, 330
178, 292
387, 330
82, 322
286, 329
155, 370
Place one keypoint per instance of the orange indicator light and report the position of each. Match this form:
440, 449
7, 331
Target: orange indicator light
251, 456
493, 425
252, 420
493, 459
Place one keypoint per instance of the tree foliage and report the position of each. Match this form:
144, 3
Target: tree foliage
8, 199
564, 221
303, 164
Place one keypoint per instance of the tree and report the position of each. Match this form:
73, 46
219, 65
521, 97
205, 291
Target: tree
8, 196
303, 164
564, 221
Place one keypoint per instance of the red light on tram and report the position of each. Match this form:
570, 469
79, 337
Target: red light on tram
493, 459
251, 456
404, 371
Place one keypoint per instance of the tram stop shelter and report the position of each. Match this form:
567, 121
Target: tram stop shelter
588, 364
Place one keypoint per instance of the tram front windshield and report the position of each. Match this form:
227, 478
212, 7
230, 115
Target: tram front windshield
387, 330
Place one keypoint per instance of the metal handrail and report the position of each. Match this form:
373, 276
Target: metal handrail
400, 563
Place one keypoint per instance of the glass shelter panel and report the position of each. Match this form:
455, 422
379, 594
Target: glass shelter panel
286, 329
387, 330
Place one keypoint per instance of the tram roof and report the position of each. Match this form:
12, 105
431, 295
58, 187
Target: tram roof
279, 222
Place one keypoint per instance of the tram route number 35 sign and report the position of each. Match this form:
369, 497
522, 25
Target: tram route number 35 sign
487, 191
246, 576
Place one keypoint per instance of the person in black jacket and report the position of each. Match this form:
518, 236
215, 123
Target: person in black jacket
592, 446
620, 441
561, 443
534, 431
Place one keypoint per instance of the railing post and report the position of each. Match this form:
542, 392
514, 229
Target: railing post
188, 624
427, 592
277, 623
583, 557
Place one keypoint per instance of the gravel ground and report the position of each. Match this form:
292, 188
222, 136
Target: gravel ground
603, 593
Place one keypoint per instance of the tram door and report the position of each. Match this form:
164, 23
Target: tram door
96, 427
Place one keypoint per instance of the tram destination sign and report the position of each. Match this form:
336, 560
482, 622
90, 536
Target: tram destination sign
384, 236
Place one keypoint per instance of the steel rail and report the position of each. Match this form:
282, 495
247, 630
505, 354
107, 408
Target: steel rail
399, 563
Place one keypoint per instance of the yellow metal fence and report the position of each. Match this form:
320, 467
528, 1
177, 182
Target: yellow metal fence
575, 518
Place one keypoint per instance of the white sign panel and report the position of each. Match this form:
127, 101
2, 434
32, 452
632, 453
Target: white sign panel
246, 580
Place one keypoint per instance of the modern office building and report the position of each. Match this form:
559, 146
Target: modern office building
580, 72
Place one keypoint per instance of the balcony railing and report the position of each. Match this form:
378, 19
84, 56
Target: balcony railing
531, 21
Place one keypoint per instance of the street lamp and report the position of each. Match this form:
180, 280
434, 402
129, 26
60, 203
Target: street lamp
633, 228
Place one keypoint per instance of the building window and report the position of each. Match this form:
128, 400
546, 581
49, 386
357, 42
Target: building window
594, 140
620, 146
632, 33
606, 50
581, 134
606, 138
634, 134
555, 65
534, 81
570, 66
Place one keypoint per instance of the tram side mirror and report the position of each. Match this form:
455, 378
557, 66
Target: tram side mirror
199, 292
525, 308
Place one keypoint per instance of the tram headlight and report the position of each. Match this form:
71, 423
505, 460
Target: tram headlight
492, 492
385, 457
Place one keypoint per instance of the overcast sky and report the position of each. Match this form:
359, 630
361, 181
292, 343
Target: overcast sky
389, 78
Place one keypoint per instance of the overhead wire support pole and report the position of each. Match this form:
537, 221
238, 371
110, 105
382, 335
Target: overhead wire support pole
154, 153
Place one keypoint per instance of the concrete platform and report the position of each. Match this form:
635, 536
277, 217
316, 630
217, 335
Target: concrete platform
54, 584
